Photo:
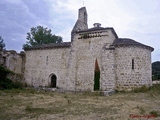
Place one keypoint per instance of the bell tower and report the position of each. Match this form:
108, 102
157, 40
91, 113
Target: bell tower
81, 23
82, 16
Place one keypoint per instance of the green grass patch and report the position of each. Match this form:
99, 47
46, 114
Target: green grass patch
155, 113
141, 89
153, 89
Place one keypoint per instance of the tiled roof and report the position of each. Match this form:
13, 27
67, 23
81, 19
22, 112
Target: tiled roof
49, 46
129, 42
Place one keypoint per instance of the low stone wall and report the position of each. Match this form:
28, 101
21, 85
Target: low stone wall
14, 62
156, 82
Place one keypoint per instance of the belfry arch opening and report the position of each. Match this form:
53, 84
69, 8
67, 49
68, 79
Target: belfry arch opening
53, 80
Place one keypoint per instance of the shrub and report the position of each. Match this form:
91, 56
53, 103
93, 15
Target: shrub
3, 72
153, 89
141, 89
155, 113
6, 83
18, 85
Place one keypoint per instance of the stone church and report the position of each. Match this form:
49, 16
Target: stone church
122, 63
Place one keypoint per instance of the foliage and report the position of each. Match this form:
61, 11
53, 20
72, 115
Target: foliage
96, 80
154, 89
155, 113
156, 70
3, 72
141, 89
2, 44
85, 36
96, 76
6, 83
40, 35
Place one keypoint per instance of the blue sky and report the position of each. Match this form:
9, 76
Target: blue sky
136, 19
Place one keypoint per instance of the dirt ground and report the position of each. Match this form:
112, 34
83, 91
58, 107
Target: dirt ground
40, 105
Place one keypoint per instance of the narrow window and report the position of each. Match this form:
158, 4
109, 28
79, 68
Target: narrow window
47, 60
132, 64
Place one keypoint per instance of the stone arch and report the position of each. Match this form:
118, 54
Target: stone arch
53, 81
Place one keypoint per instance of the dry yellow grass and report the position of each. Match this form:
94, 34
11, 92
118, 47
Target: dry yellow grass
41, 105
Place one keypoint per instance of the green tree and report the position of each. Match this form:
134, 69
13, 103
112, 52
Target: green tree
40, 35
2, 44
156, 70
96, 76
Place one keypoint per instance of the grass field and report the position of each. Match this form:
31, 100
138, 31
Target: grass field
40, 105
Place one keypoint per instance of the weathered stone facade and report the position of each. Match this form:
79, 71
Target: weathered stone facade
12, 60
124, 63
15, 62
128, 78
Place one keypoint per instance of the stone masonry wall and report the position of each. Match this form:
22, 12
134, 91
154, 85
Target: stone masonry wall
12, 60
108, 69
41, 64
84, 54
128, 78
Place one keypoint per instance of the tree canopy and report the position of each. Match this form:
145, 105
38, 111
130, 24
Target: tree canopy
156, 70
2, 44
40, 35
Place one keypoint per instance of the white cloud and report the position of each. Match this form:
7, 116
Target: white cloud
130, 18
66, 37
134, 19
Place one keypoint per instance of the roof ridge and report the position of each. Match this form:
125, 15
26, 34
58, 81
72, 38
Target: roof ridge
128, 41
50, 45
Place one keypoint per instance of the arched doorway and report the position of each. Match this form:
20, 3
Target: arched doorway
53, 81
